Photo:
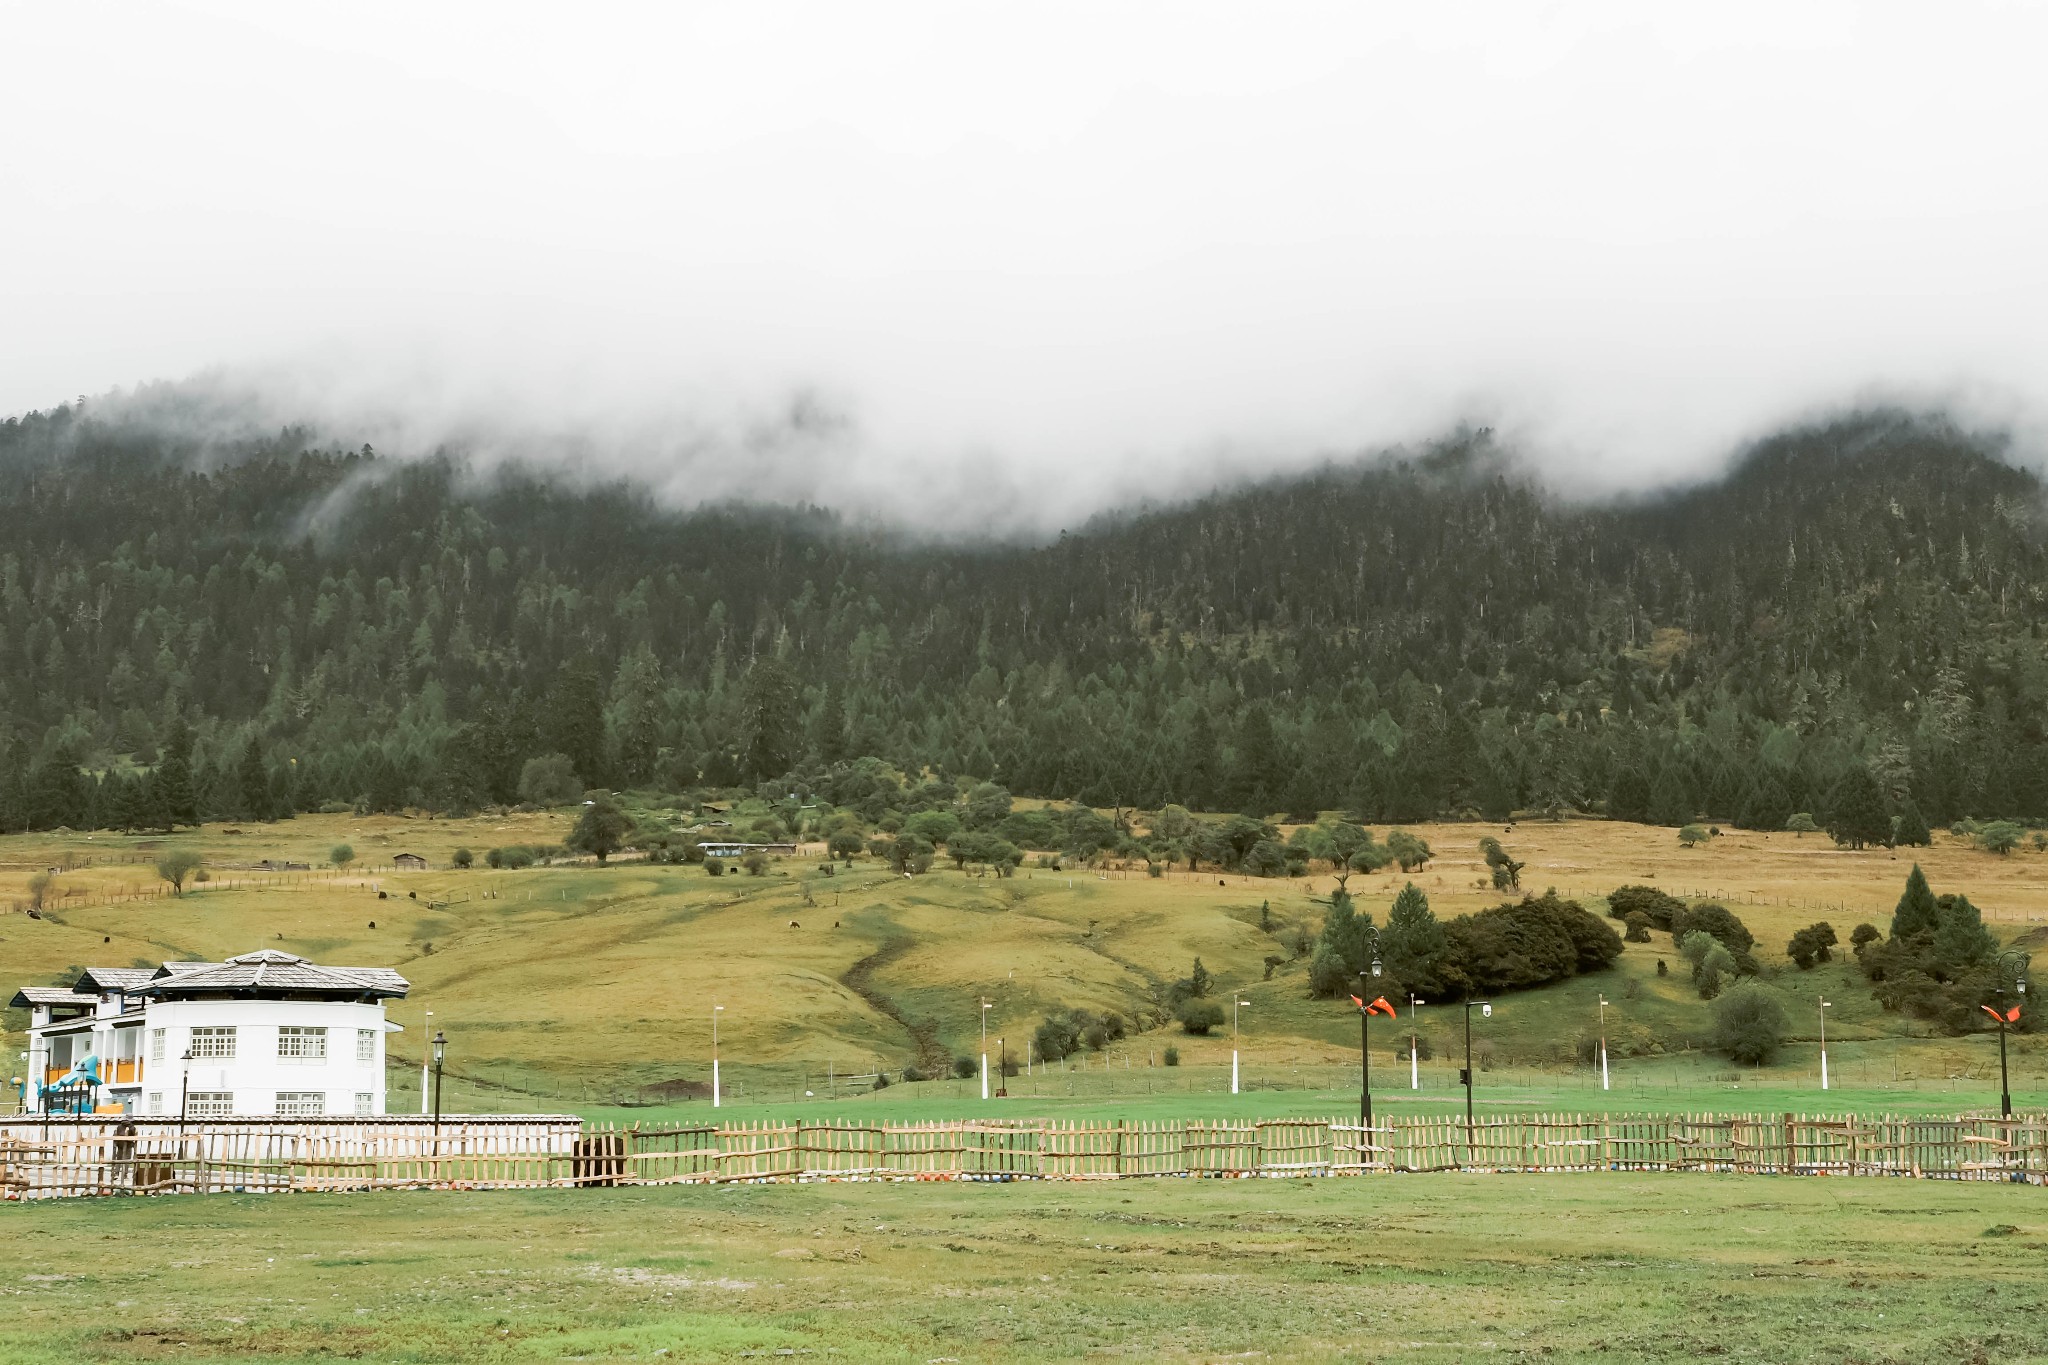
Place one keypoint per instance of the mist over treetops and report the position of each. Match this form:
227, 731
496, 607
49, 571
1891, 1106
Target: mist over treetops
1400, 639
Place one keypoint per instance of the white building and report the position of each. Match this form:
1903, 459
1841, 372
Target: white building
263, 1033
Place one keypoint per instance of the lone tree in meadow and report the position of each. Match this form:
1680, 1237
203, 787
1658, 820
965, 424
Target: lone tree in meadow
1507, 873
601, 829
2000, 836
175, 866
341, 855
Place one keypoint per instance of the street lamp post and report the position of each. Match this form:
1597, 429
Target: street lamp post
1365, 1058
426, 1029
1002, 1084
716, 1010
1485, 1012
1823, 1042
2008, 1017
984, 1049
184, 1089
1235, 1005
1414, 1057
1603, 1042
440, 1050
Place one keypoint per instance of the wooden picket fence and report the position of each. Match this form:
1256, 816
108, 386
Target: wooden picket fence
111, 1154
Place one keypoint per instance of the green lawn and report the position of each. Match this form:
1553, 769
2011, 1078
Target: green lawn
1617, 1268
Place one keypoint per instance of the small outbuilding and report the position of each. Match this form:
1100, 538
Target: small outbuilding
410, 862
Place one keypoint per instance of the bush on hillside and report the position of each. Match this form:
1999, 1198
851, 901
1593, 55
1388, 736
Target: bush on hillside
1638, 930
1067, 1031
1712, 963
1531, 942
1199, 1016
965, 1067
1812, 945
1648, 901
1749, 1024
1713, 918
1172, 1055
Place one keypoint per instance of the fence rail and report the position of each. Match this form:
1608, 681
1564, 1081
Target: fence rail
102, 1155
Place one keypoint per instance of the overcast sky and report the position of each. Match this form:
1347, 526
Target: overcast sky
1076, 250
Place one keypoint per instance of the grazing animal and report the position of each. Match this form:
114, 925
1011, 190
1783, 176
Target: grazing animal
794, 925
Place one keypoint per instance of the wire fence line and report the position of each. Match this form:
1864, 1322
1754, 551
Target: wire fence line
75, 1156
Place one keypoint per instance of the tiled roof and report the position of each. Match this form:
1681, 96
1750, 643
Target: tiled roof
49, 995
117, 978
271, 970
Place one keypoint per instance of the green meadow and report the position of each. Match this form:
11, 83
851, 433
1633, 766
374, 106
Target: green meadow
1609, 1268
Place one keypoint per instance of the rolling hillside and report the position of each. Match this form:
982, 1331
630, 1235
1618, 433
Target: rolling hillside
578, 982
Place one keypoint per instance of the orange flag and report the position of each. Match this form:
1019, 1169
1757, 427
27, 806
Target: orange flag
1361, 1004
2011, 1016
1380, 1006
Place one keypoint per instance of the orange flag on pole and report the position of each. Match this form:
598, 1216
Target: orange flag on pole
1380, 1006
2011, 1016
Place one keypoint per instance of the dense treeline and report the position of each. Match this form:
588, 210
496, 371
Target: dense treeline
298, 626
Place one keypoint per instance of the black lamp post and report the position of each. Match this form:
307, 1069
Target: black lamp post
184, 1089
1485, 1011
440, 1050
1365, 1058
2006, 1017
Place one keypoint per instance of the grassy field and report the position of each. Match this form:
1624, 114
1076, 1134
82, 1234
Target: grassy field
586, 988
1620, 1268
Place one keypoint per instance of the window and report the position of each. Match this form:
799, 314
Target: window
295, 1044
301, 1103
210, 1104
366, 1045
156, 1098
366, 1103
156, 1044
213, 1042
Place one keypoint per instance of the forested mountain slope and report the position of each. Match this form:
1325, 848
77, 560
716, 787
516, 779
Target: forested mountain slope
1400, 639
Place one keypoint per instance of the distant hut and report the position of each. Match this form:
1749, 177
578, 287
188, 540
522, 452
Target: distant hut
409, 862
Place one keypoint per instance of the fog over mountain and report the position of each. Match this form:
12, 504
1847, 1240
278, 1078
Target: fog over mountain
994, 267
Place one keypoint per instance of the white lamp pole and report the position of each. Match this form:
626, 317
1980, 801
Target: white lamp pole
1414, 1065
1823, 1043
716, 1010
426, 1063
1235, 1005
984, 1049
1603, 1042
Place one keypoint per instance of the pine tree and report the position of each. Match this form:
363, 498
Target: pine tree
574, 724
252, 783
1960, 938
1855, 810
1672, 800
1911, 831
1413, 943
1766, 805
176, 798
1916, 912
1629, 797
771, 733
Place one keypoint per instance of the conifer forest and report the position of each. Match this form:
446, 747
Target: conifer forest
1847, 623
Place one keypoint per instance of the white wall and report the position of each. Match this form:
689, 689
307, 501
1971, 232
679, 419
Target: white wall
256, 1075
